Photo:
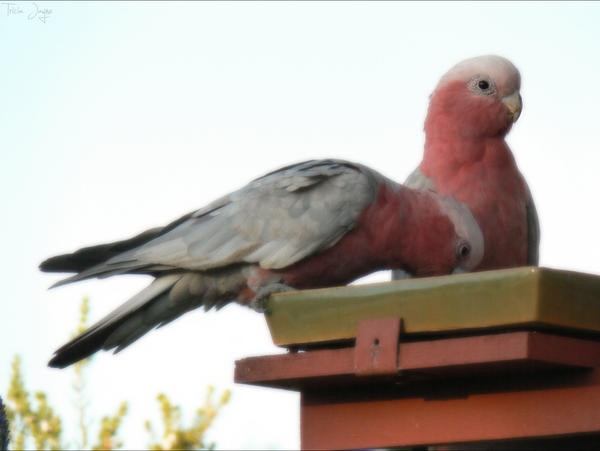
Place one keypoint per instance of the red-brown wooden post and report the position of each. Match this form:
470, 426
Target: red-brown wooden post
534, 385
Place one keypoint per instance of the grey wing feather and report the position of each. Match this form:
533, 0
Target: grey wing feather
275, 220
123, 325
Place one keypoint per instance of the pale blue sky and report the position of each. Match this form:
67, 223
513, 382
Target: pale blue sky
116, 117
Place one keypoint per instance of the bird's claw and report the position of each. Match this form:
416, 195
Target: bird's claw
259, 301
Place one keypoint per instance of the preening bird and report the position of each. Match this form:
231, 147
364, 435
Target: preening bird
314, 224
466, 157
323, 223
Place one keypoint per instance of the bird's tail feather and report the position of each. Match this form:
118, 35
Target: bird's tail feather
165, 299
91, 256
126, 322
104, 270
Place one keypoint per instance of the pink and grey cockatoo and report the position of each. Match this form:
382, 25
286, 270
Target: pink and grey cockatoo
314, 224
466, 158
323, 223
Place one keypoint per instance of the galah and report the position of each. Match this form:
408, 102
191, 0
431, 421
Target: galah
314, 224
466, 157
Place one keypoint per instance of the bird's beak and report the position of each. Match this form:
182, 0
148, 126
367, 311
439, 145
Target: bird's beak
514, 104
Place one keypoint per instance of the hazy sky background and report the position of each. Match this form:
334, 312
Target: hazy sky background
117, 117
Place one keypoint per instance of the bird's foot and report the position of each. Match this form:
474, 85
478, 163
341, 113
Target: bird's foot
259, 300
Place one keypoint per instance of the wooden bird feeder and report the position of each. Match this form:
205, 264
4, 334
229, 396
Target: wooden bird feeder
506, 358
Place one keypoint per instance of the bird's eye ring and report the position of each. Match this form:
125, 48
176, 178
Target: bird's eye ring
463, 250
482, 85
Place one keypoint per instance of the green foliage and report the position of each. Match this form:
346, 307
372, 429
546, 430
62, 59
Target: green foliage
108, 430
175, 435
41, 427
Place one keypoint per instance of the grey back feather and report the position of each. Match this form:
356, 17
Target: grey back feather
275, 221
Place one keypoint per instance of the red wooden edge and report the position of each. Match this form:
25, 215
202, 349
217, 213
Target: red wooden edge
437, 357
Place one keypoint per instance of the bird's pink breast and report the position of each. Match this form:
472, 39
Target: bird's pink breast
490, 184
467, 158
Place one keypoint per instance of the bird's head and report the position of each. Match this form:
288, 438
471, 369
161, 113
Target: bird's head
469, 242
443, 236
478, 97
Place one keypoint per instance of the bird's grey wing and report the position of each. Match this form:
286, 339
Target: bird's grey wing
533, 233
275, 221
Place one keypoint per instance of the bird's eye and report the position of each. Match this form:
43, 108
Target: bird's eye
463, 250
482, 85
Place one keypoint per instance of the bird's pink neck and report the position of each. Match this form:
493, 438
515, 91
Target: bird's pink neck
454, 153
400, 227
462, 131
413, 221
445, 158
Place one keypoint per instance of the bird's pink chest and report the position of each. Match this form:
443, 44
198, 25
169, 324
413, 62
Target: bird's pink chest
496, 194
